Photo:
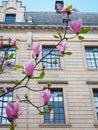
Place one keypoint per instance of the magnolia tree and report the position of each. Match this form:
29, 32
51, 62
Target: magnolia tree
13, 107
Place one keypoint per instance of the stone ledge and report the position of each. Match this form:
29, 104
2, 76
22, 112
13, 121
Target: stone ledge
92, 70
4, 126
96, 125
55, 125
92, 82
7, 81
52, 81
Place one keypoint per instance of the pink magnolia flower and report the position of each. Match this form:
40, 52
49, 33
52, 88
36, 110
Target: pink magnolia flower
13, 42
29, 67
59, 6
1, 44
13, 111
66, 11
46, 95
75, 26
62, 47
36, 49
1, 57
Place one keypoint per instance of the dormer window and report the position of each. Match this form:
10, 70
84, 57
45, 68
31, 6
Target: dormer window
29, 19
10, 18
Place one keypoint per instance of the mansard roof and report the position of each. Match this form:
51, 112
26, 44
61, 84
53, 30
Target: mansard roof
53, 18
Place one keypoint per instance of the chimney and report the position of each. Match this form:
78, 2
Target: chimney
59, 6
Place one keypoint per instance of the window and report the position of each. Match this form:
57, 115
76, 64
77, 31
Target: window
92, 57
56, 116
51, 60
10, 18
3, 104
95, 92
9, 51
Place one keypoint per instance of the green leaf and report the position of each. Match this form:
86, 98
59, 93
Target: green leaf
17, 82
0, 67
35, 77
69, 7
59, 33
80, 37
23, 72
26, 95
43, 112
0, 94
49, 108
52, 107
84, 30
19, 66
56, 36
59, 54
11, 56
17, 97
49, 84
41, 76
68, 53
16, 47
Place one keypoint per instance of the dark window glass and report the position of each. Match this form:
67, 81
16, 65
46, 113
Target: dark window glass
10, 18
51, 60
3, 104
92, 57
57, 115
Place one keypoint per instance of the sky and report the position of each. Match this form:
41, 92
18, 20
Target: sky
49, 5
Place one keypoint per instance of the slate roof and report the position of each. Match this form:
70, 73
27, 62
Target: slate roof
53, 18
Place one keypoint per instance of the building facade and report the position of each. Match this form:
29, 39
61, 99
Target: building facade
74, 78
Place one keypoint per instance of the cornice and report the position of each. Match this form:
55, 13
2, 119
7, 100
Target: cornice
22, 26
36, 27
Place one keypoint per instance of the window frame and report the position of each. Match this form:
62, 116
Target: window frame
93, 51
2, 107
93, 85
95, 91
56, 85
10, 18
56, 120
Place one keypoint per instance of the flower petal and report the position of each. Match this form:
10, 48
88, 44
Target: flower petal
29, 67
16, 108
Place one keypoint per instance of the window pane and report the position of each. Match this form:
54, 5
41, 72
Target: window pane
8, 51
10, 18
3, 104
51, 60
92, 57
57, 114
95, 93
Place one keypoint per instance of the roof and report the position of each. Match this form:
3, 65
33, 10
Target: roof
53, 18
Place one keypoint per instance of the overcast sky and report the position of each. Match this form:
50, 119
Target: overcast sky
49, 5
